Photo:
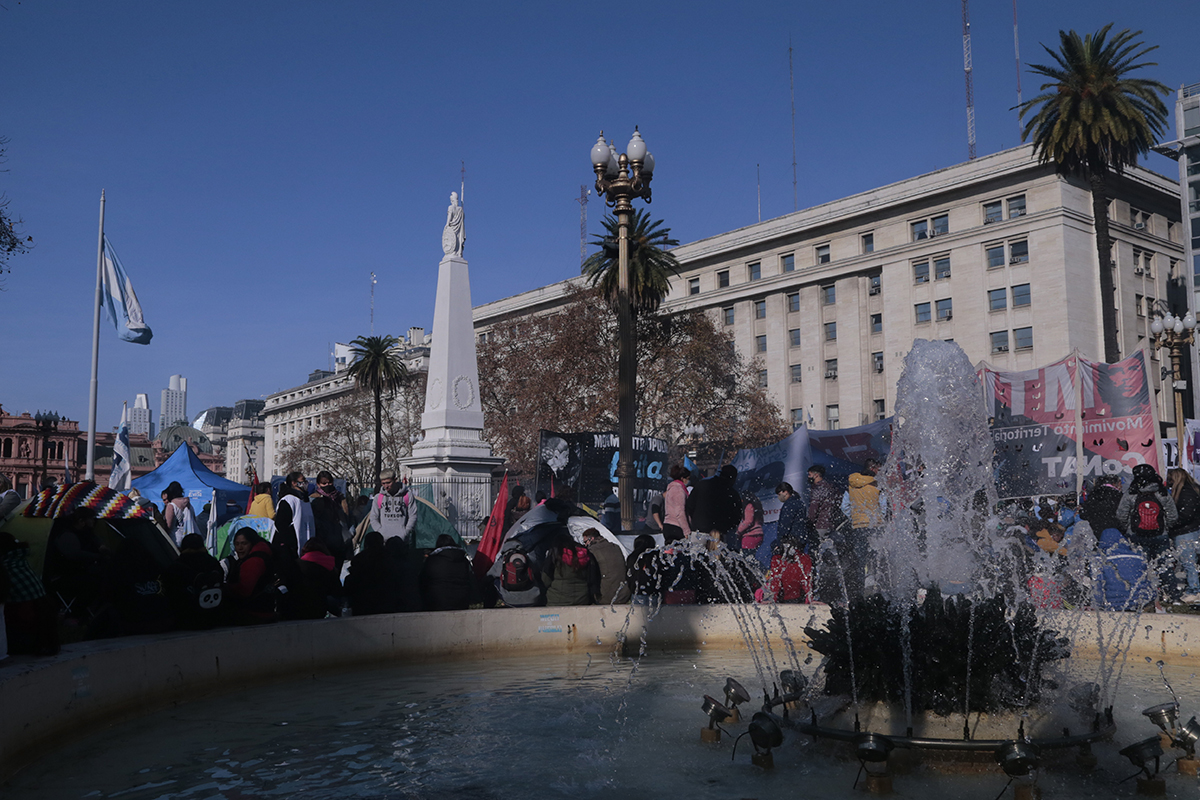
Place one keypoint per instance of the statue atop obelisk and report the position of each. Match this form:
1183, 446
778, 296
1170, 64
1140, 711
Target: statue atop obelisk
453, 417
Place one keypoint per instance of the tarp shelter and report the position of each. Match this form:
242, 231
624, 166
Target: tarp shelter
200, 485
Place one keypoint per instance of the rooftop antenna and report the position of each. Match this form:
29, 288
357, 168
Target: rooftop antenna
966, 19
758, 173
1017, 53
792, 81
583, 201
373, 282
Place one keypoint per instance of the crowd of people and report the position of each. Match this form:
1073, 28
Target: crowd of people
1121, 545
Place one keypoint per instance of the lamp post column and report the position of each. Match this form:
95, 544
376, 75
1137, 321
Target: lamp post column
1175, 333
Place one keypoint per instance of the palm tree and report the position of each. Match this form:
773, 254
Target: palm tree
651, 265
378, 368
1092, 120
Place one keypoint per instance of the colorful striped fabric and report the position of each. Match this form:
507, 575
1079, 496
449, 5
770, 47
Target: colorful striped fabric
103, 502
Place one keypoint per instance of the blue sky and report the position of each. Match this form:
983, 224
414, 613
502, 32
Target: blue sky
261, 159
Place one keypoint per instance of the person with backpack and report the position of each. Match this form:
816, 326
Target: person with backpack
516, 579
1146, 514
447, 580
1185, 533
570, 575
393, 512
193, 586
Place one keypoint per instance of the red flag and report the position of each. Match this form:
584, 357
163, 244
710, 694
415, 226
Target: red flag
493, 534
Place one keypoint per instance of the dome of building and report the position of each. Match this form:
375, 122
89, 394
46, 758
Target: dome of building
170, 438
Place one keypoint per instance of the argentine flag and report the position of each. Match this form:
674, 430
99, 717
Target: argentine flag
120, 302
121, 478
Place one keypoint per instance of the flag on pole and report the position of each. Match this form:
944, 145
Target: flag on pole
493, 534
121, 478
120, 302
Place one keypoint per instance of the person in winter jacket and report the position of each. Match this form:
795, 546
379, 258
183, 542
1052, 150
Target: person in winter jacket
675, 521
1185, 533
715, 505
262, 504
750, 529
1146, 514
331, 518
373, 582
647, 575
570, 574
394, 509
294, 524
611, 562
251, 588
1123, 583
793, 524
185, 583
315, 589
447, 582
789, 576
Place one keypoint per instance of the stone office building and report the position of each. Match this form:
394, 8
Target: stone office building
997, 254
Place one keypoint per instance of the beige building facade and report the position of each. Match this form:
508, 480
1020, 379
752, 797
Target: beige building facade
997, 254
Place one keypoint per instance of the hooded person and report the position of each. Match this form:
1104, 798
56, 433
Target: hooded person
373, 582
611, 561
447, 580
393, 511
715, 506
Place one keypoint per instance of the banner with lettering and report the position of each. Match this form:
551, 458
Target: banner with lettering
587, 463
1069, 420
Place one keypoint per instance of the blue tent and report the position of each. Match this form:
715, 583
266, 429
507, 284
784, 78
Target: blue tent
200, 485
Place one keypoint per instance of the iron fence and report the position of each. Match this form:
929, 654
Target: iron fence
465, 500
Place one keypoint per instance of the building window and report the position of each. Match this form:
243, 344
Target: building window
797, 417
997, 299
1139, 305
754, 270
877, 361
831, 418
992, 212
831, 369
831, 331
793, 302
6, 450
876, 284
880, 410
1138, 219
722, 279
760, 344
1000, 342
1023, 338
877, 323
795, 371
794, 337
1016, 206
868, 243
829, 294
760, 309
941, 268
921, 272
922, 312
822, 254
787, 263
727, 311
1018, 252
945, 309
1021, 295
693, 286
928, 228
995, 255
762, 378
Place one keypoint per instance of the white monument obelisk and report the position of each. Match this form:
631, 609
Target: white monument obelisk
453, 444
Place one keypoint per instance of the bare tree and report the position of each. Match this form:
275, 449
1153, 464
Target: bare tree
12, 241
559, 372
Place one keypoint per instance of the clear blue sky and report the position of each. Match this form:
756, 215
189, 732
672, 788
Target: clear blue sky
261, 159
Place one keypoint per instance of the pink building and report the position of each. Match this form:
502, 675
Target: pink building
29, 450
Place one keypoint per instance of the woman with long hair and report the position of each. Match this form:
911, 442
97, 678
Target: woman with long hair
1185, 534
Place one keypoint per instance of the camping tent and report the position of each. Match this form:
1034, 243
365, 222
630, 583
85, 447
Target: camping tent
200, 485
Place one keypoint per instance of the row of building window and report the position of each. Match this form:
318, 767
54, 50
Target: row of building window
53, 449
833, 416
926, 228
1022, 339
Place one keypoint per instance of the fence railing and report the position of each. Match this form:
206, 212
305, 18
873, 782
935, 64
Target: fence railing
465, 500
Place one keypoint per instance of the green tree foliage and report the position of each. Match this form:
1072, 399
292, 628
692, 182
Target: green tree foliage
1093, 119
651, 264
379, 369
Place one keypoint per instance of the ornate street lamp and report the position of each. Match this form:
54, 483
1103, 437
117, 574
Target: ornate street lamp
695, 434
1175, 333
47, 425
620, 179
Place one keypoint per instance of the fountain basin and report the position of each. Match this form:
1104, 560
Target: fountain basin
94, 684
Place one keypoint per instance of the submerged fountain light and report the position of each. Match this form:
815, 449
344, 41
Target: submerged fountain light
793, 682
717, 714
1163, 715
1141, 753
873, 747
765, 732
1018, 759
1188, 735
735, 693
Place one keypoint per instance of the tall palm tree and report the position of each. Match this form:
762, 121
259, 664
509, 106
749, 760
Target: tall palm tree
378, 368
651, 265
1092, 120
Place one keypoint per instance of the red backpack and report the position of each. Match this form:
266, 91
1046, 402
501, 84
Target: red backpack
1148, 516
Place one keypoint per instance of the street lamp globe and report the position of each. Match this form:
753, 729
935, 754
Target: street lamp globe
600, 152
1189, 321
1156, 326
636, 149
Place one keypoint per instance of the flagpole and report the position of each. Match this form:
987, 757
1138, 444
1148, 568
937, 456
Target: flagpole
90, 474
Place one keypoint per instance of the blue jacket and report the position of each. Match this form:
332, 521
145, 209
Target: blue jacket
793, 522
1122, 584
